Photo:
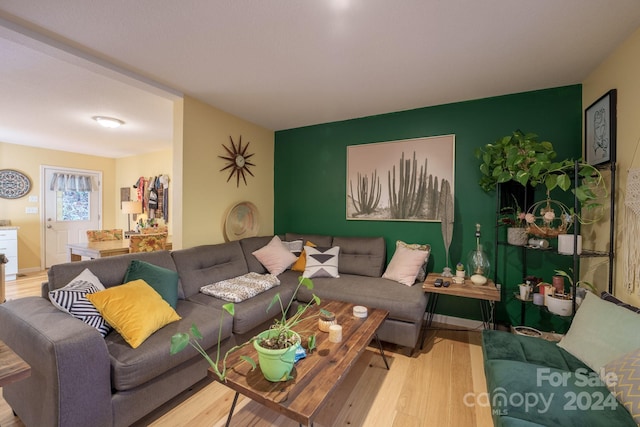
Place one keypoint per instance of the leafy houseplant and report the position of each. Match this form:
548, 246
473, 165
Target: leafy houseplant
522, 158
279, 336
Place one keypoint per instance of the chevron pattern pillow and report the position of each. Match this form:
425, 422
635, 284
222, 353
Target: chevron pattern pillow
72, 299
321, 262
625, 384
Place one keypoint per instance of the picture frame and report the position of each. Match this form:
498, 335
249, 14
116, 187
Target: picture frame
403, 180
600, 130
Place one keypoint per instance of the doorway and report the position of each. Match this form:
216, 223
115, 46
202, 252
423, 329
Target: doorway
72, 205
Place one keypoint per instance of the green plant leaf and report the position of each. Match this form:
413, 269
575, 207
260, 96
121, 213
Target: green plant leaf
311, 342
195, 331
316, 299
178, 342
306, 282
551, 181
229, 308
274, 300
250, 361
564, 181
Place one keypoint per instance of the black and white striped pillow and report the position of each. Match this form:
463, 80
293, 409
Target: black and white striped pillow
72, 299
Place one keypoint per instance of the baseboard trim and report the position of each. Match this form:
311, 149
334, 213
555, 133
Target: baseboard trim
444, 320
24, 271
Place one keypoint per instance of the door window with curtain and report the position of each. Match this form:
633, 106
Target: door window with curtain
72, 206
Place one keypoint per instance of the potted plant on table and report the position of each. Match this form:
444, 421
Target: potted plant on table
276, 346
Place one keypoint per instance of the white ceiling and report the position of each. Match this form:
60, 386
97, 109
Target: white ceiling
279, 63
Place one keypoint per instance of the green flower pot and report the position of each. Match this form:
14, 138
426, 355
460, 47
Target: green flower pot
276, 365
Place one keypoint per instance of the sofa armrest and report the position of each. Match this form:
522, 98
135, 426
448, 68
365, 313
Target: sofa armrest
70, 381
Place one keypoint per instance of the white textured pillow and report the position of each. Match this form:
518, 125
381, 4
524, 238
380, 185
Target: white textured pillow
275, 256
601, 332
321, 262
405, 264
72, 299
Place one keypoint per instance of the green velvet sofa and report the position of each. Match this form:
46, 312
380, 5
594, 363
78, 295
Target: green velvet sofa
535, 382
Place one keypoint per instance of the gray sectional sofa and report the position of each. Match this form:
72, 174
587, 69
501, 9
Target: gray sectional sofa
81, 379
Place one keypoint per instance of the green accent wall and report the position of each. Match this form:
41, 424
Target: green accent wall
310, 173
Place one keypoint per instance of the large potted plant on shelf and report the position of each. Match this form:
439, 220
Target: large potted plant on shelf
522, 158
276, 346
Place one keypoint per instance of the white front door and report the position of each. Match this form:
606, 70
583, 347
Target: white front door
68, 213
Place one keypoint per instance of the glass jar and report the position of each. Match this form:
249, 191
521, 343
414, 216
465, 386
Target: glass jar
326, 320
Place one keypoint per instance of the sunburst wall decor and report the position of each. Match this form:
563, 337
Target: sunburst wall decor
238, 161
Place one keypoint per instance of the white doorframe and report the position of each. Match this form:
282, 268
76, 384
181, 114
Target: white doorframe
43, 189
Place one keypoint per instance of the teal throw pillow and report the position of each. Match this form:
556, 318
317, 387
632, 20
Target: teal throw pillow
162, 280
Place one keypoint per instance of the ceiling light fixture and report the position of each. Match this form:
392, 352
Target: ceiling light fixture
108, 122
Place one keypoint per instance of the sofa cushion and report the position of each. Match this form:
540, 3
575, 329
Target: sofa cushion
110, 270
301, 262
252, 312
525, 394
275, 256
321, 262
132, 367
402, 302
622, 377
238, 289
250, 245
517, 365
206, 264
134, 309
405, 264
608, 297
501, 345
601, 332
364, 256
162, 280
72, 299
422, 273
317, 239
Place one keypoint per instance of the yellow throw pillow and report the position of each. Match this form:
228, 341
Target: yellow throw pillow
134, 309
301, 262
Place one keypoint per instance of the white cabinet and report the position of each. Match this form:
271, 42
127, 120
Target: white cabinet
9, 247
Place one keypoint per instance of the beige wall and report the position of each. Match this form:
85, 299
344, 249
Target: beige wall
197, 211
28, 161
206, 195
130, 169
619, 71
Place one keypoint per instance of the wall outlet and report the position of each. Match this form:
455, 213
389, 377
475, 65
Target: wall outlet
33, 199
31, 210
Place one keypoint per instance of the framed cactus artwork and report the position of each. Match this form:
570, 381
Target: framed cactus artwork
405, 180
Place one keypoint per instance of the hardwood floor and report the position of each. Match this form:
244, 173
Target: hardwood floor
427, 389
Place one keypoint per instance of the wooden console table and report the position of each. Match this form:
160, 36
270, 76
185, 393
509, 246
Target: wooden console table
12, 367
486, 294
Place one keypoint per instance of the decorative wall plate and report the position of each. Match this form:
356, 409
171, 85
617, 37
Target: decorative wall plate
13, 184
242, 221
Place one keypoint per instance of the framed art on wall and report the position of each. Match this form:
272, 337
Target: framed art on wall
600, 130
405, 180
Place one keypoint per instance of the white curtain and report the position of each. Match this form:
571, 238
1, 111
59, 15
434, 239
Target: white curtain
71, 182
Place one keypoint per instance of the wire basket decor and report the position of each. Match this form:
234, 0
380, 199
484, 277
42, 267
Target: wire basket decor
548, 218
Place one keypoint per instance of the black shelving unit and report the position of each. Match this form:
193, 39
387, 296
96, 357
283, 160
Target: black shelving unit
611, 167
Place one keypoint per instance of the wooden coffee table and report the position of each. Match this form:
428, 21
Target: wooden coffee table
314, 377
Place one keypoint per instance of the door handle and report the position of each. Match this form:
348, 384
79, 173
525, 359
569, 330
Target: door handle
49, 226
